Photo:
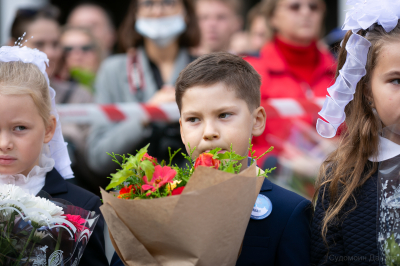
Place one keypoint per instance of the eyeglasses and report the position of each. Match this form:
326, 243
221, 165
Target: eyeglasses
296, 7
165, 4
83, 48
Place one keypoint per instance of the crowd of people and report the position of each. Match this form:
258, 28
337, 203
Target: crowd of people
93, 62
221, 70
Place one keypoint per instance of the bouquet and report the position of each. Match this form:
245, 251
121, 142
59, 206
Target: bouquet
166, 215
41, 231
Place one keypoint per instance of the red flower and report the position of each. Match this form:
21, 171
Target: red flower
76, 221
177, 191
206, 159
149, 158
161, 176
126, 190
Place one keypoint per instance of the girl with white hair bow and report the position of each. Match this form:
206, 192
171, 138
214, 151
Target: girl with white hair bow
356, 220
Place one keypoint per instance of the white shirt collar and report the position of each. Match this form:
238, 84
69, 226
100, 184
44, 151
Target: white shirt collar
387, 150
36, 178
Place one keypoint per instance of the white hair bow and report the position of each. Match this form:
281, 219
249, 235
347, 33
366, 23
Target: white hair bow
363, 15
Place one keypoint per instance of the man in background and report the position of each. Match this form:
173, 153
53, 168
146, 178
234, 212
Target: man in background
98, 21
218, 21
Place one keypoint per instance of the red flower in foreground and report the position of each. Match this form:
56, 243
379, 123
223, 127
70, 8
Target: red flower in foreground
177, 191
149, 158
206, 159
161, 176
76, 221
126, 190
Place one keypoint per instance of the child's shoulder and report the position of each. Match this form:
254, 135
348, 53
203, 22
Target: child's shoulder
286, 200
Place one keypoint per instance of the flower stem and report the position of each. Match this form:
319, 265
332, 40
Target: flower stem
30, 252
59, 239
26, 245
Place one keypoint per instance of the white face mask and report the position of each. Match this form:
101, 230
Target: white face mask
161, 30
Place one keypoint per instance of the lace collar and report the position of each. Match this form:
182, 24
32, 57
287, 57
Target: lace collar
36, 178
387, 150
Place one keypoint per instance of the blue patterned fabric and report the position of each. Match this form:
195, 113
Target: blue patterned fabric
352, 240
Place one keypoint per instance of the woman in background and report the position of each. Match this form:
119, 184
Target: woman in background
82, 56
292, 65
155, 37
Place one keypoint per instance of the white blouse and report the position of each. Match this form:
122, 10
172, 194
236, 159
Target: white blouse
36, 178
387, 150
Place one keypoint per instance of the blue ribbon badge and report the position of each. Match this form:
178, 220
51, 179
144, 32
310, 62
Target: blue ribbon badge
262, 208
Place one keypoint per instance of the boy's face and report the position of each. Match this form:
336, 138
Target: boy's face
214, 117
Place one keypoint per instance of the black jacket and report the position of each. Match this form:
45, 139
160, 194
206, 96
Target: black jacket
353, 239
57, 187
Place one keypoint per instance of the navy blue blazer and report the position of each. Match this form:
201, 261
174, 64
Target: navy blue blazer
283, 238
57, 187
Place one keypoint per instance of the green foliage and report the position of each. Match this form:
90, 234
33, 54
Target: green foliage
135, 167
392, 249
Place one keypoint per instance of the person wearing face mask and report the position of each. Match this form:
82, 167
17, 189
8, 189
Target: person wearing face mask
155, 37
292, 65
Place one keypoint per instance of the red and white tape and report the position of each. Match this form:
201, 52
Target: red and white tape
90, 113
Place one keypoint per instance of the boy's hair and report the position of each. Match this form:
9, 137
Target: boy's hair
18, 78
344, 169
231, 70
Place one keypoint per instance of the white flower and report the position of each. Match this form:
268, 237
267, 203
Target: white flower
48, 206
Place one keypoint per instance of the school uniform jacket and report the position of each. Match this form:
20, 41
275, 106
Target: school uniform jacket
353, 239
57, 187
283, 238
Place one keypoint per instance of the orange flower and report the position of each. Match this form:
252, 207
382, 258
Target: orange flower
149, 158
125, 190
206, 159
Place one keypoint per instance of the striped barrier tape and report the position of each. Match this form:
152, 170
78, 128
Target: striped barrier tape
90, 113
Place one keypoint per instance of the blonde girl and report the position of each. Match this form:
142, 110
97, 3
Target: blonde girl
32, 150
347, 216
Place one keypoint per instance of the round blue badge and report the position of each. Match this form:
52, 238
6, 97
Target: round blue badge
262, 208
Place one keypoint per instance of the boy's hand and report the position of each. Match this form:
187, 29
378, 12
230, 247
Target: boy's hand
165, 95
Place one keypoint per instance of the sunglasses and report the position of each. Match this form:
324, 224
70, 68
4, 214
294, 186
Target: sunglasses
295, 7
83, 48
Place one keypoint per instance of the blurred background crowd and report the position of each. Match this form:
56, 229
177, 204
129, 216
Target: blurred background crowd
133, 50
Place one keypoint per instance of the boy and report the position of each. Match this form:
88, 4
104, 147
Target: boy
218, 96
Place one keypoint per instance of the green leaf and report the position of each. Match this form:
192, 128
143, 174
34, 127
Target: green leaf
230, 169
148, 168
119, 177
142, 152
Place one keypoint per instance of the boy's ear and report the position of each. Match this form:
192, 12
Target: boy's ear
259, 117
50, 129
180, 126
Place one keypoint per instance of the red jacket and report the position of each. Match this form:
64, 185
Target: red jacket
277, 81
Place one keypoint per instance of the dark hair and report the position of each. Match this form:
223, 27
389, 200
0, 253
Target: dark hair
234, 72
26, 16
128, 37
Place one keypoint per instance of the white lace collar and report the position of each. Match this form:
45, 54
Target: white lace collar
387, 150
36, 178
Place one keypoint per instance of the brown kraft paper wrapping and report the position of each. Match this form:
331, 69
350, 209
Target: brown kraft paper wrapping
205, 225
